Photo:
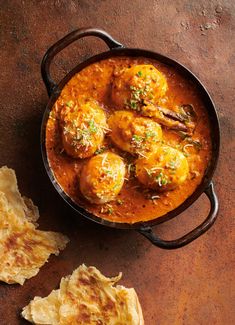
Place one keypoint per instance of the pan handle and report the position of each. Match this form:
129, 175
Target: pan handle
63, 43
192, 235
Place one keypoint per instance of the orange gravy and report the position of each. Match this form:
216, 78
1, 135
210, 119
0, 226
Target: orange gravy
133, 203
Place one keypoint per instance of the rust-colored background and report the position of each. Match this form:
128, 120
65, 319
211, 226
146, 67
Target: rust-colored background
193, 285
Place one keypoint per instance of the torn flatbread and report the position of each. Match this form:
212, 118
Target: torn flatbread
86, 297
23, 248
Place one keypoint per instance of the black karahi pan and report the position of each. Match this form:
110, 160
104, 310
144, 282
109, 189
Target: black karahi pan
116, 50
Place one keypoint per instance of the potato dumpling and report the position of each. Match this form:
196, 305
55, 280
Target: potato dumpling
164, 169
83, 128
102, 178
134, 134
138, 84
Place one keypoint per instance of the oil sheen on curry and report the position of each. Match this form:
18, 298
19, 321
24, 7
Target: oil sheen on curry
128, 139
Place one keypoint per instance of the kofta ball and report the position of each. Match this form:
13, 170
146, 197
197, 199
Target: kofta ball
102, 178
164, 169
83, 128
135, 85
134, 134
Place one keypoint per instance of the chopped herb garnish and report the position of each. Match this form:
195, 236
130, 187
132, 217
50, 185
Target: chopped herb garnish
81, 136
150, 134
133, 104
92, 126
100, 150
110, 210
162, 179
135, 101
119, 202
137, 141
138, 94
69, 104
106, 209
107, 170
137, 138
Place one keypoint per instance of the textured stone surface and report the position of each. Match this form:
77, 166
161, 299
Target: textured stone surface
191, 286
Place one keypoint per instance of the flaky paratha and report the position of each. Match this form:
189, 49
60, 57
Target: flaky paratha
86, 297
23, 248
21, 206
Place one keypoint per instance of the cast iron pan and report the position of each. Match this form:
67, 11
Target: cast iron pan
206, 186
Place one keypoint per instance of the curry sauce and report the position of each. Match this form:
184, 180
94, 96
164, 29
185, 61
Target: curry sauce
134, 203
